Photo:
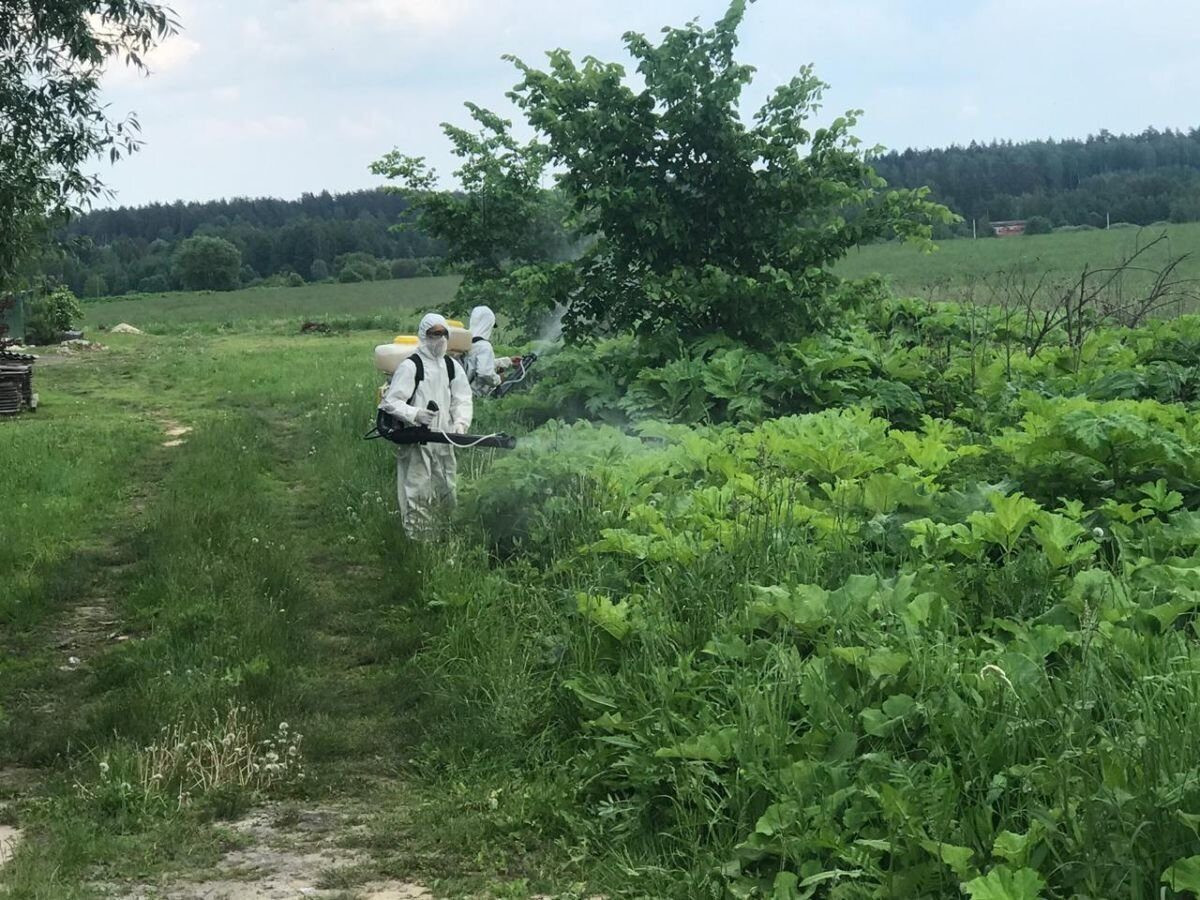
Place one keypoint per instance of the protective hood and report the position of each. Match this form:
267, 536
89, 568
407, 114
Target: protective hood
483, 320
435, 348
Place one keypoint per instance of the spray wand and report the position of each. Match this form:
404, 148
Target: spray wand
392, 429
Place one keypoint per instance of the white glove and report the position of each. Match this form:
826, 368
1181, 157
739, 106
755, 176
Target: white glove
460, 428
425, 417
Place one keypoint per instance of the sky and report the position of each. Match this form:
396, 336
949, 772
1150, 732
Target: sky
280, 97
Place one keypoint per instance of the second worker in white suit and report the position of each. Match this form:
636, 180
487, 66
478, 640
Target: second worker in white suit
482, 365
425, 473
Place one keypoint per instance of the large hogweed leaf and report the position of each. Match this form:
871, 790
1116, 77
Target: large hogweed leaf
1005, 883
1184, 876
1010, 516
826, 446
896, 712
712, 746
614, 618
1061, 540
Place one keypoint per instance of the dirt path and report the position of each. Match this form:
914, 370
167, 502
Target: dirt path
9, 839
15, 781
289, 852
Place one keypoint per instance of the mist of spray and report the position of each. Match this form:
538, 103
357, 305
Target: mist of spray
552, 327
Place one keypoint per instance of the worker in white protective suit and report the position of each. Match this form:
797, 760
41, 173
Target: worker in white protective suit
425, 472
483, 368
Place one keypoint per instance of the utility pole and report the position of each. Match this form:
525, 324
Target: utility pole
974, 233
1107, 221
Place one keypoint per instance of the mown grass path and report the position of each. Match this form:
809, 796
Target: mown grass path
255, 561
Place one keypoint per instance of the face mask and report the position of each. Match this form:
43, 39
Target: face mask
438, 345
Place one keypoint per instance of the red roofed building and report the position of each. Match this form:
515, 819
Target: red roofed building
1007, 229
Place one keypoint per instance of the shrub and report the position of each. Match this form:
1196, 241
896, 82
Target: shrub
51, 315
319, 270
154, 284
405, 268
350, 276
294, 279
364, 262
208, 264
1039, 225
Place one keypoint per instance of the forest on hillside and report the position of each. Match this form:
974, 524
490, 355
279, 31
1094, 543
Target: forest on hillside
1137, 178
314, 238
1142, 178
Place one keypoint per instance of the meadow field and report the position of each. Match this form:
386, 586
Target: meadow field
957, 270
360, 305
973, 269
198, 525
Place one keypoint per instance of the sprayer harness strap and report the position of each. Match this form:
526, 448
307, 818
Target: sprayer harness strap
419, 365
477, 339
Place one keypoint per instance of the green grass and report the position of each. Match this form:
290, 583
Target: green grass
963, 268
259, 563
379, 304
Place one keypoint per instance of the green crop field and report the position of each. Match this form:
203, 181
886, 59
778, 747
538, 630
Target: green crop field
962, 268
364, 304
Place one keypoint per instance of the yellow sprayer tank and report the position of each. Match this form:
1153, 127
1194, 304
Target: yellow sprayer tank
460, 337
389, 356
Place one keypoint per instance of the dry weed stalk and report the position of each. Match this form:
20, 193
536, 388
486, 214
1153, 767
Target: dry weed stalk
188, 761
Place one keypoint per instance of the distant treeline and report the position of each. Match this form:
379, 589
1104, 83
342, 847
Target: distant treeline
319, 236
1138, 178
1141, 179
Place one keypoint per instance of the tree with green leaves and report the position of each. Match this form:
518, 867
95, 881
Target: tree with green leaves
499, 217
704, 223
698, 222
205, 263
52, 119
502, 228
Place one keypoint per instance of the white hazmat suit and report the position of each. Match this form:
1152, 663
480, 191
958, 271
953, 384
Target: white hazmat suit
483, 369
425, 472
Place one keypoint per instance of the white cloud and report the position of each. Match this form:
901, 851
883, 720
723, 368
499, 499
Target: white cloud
370, 126
270, 127
169, 58
226, 95
249, 82
422, 14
